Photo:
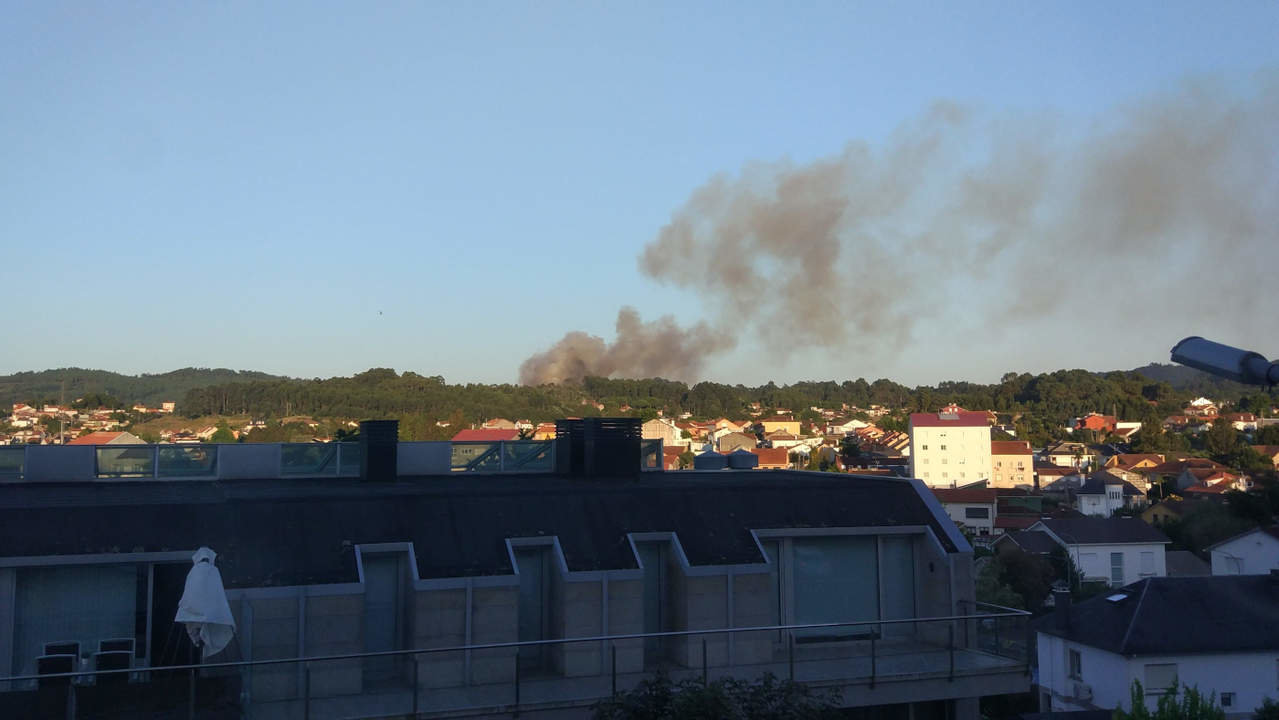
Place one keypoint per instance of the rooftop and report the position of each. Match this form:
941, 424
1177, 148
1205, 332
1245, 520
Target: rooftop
1229, 613
458, 522
1102, 531
962, 418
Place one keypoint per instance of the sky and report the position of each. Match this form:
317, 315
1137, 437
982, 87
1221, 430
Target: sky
314, 189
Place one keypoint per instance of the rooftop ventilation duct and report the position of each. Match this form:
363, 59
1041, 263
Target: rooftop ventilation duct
598, 447
379, 445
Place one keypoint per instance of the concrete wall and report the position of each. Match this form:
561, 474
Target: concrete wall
438, 618
754, 605
1253, 554
626, 617
8, 602
579, 608
334, 626
494, 619
274, 635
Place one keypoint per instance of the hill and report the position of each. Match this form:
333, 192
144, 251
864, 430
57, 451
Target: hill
51, 385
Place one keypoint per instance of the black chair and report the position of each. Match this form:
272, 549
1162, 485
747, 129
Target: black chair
115, 645
113, 660
52, 665
69, 647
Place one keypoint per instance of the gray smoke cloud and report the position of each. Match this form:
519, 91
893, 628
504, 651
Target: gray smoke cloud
1170, 205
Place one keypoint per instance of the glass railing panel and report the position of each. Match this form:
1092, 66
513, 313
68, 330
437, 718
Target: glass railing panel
12, 458
650, 454
476, 457
350, 459
125, 461
527, 456
184, 460
308, 459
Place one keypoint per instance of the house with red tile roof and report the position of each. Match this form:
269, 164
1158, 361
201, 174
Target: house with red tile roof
108, 438
772, 458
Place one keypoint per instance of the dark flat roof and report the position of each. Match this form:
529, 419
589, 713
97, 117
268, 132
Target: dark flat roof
1224, 613
295, 532
1103, 531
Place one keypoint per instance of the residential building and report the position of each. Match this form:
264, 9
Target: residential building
731, 441
1033, 542
1219, 634
1012, 464
499, 424
1103, 492
784, 423
973, 509
1101, 424
1133, 461
1165, 511
1255, 552
782, 439
1243, 422
1269, 452
772, 458
1183, 563
1067, 454
450, 570
664, 430
1117, 551
949, 449
470, 445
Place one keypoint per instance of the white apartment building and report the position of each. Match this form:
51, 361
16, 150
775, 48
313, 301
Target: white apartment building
949, 449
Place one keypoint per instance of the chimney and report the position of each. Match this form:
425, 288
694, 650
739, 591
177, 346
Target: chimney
379, 446
598, 447
1061, 609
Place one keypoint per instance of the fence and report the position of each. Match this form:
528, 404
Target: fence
851, 658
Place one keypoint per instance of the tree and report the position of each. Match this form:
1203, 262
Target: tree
768, 698
1268, 710
993, 590
222, 434
1186, 704
1221, 440
686, 459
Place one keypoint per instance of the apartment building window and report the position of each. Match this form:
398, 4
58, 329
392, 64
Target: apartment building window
977, 513
1160, 678
925, 474
1116, 569
923, 447
945, 474
943, 447
925, 461
1227, 700
1076, 664
943, 460
998, 464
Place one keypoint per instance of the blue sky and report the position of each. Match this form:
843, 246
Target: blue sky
314, 189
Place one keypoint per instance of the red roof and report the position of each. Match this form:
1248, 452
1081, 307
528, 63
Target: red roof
1208, 489
965, 495
771, 456
963, 418
95, 438
1010, 447
1015, 522
486, 435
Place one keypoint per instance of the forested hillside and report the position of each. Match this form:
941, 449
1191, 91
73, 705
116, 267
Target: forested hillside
50, 386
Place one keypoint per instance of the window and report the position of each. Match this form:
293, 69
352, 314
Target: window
998, 464
945, 474
1147, 563
1076, 664
925, 474
977, 513
1160, 678
1116, 569
925, 461
1227, 699
963, 475
943, 460
943, 447
923, 447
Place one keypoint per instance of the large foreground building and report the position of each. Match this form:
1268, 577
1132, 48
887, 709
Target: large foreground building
466, 584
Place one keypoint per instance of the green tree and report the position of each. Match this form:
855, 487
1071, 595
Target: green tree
993, 590
1184, 704
1268, 710
222, 434
1221, 440
768, 698
686, 459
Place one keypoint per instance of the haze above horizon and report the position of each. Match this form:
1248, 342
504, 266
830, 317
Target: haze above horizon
833, 191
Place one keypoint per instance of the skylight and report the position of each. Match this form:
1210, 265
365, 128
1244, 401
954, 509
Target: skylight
1117, 597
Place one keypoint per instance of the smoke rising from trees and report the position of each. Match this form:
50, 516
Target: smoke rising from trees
1165, 208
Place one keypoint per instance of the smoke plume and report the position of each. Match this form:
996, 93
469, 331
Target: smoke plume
1167, 206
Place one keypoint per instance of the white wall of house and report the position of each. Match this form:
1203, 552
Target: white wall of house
1102, 504
1139, 560
1253, 554
970, 515
1251, 677
950, 456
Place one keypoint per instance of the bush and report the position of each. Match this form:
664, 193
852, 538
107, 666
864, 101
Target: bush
1186, 704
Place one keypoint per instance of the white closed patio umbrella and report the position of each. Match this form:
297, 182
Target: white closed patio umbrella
203, 607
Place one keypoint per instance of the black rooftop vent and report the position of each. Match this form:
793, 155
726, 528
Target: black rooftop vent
598, 447
379, 446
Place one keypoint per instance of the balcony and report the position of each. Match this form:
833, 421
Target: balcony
867, 663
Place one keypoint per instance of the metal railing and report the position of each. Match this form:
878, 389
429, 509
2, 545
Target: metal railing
12, 461
503, 456
508, 676
319, 459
